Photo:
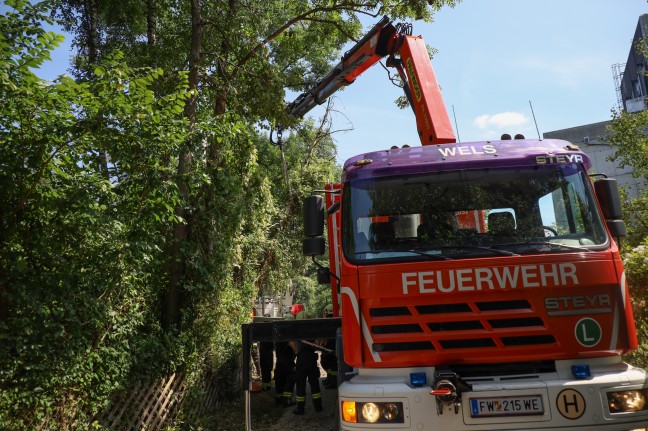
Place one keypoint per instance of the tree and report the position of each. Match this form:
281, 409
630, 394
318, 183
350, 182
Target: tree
629, 138
627, 135
144, 206
80, 252
242, 69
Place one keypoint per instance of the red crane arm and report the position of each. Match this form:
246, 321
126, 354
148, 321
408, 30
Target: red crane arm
432, 120
414, 67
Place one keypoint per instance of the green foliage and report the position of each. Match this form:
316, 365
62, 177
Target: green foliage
315, 297
99, 174
630, 141
636, 212
636, 265
627, 134
80, 246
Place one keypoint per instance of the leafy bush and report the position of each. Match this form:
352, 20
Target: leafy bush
89, 185
636, 265
81, 237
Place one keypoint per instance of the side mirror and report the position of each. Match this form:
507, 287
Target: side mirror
313, 246
314, 216
617, 228
323, 276
607, 192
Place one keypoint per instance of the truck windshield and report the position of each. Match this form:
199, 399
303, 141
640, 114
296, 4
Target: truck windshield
471, 213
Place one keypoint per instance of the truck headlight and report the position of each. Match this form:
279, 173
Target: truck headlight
627, 401
392, 411
372, 412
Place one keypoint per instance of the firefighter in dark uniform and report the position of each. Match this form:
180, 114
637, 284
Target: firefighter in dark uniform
285, 371
306, 369
266, 358
254, 352
328, 360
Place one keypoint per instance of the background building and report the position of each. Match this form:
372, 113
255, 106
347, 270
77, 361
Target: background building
631, 84
589, 139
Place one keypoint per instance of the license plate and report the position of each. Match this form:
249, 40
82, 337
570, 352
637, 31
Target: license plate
506, 406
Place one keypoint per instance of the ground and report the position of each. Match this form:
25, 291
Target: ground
268, 416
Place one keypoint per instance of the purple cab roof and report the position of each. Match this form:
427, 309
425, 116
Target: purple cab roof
464, 155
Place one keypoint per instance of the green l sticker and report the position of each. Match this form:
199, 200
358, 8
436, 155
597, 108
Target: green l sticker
588, 332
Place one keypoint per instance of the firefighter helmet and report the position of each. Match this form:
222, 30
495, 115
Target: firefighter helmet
296, 308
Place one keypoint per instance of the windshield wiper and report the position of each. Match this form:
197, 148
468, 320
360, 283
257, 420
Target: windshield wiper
432, 255
415, 251
479, 247
553, 246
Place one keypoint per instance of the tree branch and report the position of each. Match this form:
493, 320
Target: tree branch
349, 6
44, 164
328, 21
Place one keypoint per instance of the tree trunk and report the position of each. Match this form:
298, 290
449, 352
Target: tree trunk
91, 11
151, 30
172, 303
92, 37
220, 106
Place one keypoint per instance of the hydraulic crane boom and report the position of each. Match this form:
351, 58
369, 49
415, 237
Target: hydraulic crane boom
409, 56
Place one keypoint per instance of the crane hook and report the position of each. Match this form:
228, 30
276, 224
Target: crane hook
279, 141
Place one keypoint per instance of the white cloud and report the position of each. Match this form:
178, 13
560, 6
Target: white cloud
501, 120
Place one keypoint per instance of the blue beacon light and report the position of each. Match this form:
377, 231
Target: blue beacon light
581, 371
418, 379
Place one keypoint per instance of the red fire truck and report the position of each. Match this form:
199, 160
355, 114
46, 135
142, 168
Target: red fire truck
476, 286
479, 284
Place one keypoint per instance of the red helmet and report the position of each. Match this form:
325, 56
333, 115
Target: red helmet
296, 308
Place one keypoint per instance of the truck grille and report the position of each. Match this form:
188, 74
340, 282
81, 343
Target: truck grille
491, 325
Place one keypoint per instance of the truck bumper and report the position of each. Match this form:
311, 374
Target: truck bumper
550, 401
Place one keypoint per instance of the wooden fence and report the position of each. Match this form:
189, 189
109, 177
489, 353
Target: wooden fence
153, 407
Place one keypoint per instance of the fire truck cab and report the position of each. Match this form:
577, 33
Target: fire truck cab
480, 288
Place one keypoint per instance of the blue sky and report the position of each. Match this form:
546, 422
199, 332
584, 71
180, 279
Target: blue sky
494, 56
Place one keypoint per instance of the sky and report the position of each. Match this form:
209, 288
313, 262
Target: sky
496, 59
